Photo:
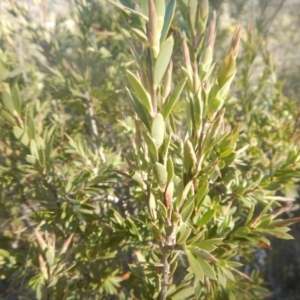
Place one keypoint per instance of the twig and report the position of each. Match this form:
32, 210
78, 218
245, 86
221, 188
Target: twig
86, 96
166, 248
151, 81
165, 280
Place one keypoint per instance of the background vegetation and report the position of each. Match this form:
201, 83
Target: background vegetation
77, 221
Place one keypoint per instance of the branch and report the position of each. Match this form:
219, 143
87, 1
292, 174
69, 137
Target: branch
165, 279
86, 96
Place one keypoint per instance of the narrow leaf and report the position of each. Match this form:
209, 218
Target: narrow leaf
7, 101
184, 293
151, 146
142, 95
206, 218
195, 266
139, 109
124, 8
183, 234
169, 15
163, 60
206, 268
171, 101
208, 245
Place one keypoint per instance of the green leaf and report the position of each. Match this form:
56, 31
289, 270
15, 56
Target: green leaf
158, 130
152, 206
162, 61
140, 35
85, 211
189, 156
206, 268
201, 193
34, 149
139, 109
21, 135
181, 197
3, 72
170, 169
160, 8
161, 175
208, 245
128, 9
193, 12
151, 146
205, 218
133, 229
30, 128
203, 254
242, 231
8, 102
118, 218
221, 278
165, 147
214, 105
169, 15
142, 95
184, 293
8, 117
137, 177
162, 208
4, 253
183, 233
31, 159
16, 99
172, 99
195, 266
50, 256
187, 211
15, 72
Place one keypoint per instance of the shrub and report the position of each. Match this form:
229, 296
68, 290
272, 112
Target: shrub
164, 189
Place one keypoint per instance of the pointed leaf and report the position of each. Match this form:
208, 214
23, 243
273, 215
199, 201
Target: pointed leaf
203, 254
184, 293
208, 245
187, 211
8, 102
170, 169
169, 15
172, 99
195, 266
206, 268
152, 206
137, 177
140, 35
151, 146
139, 109
8, 117
31, 129
206, 218
16, 99
125, 8
183, 234
181, 197
21, 135
162, 61
142, 95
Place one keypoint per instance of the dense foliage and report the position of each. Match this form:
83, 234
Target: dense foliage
133, 163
